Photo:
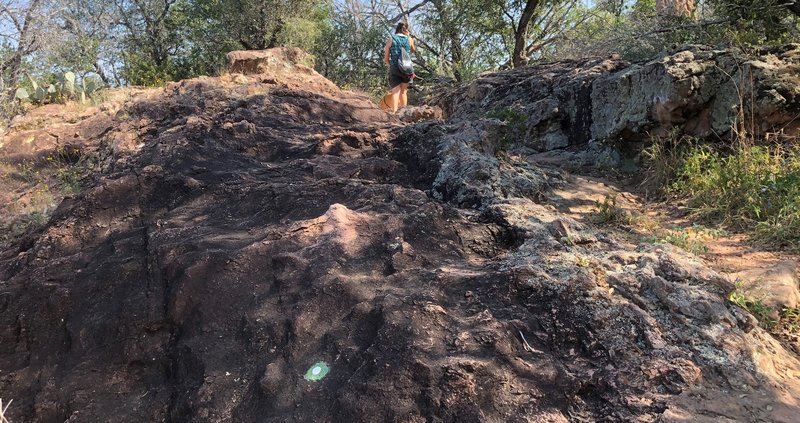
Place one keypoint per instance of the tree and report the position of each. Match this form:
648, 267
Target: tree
23, 26
88, 41
520, 55
257, 24
760, 21
681, 8
151, 39
529, 26
349, 51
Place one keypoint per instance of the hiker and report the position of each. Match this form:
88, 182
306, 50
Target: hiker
397, 97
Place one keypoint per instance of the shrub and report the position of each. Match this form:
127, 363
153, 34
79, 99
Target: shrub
756, 188
663, 158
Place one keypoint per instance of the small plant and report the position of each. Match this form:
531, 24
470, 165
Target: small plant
66, 87
692, 239
607, 211
790, 319
509, 115
515, 120
28, 172
683, 239
756, 307
582, 261
45, 182
664, 157
67, 161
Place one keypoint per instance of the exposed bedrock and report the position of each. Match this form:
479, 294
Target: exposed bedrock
240, 229
695, 91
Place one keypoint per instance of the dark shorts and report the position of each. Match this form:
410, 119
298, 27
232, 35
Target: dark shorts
396, 77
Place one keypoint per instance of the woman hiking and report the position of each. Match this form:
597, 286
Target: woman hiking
398, 81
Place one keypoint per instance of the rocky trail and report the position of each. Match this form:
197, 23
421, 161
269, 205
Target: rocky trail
235, 231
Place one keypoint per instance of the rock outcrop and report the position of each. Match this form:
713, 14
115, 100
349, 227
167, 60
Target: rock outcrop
696, 91
253, 227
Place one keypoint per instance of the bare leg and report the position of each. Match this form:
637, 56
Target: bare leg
403, 96
394, 98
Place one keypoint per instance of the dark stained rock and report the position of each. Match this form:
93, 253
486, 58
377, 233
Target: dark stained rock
238, 230
695, 91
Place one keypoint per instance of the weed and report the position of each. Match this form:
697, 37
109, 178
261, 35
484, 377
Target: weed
692, 239
28, 172
508, 115
663, 158
609, 212
582, 261
606, 211
67, 162
684, 239
568, 240
757, 188
765, 314
514, 119
28, 125
48, 180
790, 323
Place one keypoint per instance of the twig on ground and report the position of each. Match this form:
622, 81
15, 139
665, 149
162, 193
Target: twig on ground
525, 343
3, 410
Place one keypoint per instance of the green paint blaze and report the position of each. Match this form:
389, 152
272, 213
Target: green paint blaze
317, 372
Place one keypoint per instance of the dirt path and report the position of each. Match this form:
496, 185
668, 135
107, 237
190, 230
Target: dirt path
583, 196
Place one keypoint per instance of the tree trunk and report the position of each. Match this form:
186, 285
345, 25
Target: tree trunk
25, 46
683, 8
520, 56
451, 30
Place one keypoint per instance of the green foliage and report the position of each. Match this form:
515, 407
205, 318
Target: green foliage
67, 164
757, 22
687, 239
44, 183
64, 86
609, 212
141, 70
784, 323
756, 307
350, 50
300, 32
692, 239
515, 120
606, 211
756, 188
663, 157
509, 115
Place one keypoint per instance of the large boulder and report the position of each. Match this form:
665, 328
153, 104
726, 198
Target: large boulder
257, 61
695, 90
776, 287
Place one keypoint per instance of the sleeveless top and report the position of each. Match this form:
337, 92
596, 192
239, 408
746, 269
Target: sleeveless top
398, 41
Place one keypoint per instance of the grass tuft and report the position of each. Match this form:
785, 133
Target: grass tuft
755, 189
784, 324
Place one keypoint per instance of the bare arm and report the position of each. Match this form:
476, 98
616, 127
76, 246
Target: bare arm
411, 43
386, 51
